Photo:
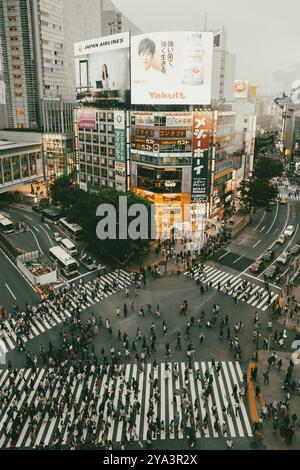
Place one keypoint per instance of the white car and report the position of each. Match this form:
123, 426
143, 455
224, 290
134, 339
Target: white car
57, 237
281, 239
289, 231
283, 259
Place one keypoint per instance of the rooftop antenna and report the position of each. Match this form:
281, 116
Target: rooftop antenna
205, 20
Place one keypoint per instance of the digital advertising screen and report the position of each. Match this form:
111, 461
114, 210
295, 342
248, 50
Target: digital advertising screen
102, 69
171, 68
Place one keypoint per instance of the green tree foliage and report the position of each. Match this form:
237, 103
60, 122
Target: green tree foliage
81, 206
63, 192
257, 193
267, 168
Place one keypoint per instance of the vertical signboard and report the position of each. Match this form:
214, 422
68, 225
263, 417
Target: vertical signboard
120, 151
201, 143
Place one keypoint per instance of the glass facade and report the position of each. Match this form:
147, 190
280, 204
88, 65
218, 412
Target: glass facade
20, 166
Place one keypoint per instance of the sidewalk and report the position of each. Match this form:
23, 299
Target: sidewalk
274, 392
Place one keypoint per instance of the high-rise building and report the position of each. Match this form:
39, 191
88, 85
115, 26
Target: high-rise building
37, 38
224, 68
114, 22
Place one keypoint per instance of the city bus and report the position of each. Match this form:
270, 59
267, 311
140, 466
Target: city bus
53, 214
73, 230
66, 263
68, 246
6, 225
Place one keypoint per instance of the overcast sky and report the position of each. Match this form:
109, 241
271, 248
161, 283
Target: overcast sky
264, 34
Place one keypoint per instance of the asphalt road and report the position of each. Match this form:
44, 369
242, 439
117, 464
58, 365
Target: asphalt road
13, 287
38, 237
260, 236
169, 293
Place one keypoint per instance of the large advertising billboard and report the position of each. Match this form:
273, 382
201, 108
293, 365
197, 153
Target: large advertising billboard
161, 133
201, 145
171, 68
102, 69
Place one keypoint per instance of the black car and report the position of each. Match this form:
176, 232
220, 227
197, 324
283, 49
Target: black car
268, 256
37, 208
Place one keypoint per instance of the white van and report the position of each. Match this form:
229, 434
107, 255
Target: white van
69, 247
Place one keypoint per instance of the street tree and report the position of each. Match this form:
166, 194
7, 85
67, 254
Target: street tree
257, 193
267, 168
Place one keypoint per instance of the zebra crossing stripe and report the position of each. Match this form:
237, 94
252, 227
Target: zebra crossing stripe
147, 395
210, 404
162, 394
3, 346
29, 400
225, 404
230, 389
244, 412
140, 395
275, 296
236, 425
170, 400
193, 395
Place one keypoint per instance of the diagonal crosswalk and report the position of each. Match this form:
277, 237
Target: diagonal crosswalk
252, 294
48, 406
8, 339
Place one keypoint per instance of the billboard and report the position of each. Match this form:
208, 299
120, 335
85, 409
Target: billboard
161, 133
241, 89
201, 144
102, 69
171, 68
120, 151
86, 119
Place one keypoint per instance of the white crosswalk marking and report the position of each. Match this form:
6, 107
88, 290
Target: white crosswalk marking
65, 391
253, 294
8, 340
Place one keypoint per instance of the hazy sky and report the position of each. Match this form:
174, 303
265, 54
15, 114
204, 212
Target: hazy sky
264, 34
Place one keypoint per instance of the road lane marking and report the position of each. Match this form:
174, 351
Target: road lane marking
274, 243
277, 208
260, 222
36, 229
236, 261
32, 287
263, 229
37, 242
47, 235
26, 216
11, 292
223, 256
259, 241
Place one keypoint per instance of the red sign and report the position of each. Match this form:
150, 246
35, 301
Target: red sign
87, 119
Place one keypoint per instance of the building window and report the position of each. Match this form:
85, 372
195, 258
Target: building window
18, 95
18, 85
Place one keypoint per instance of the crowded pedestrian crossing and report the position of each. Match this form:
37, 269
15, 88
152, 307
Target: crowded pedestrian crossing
56, 315
233, 285
55, 407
